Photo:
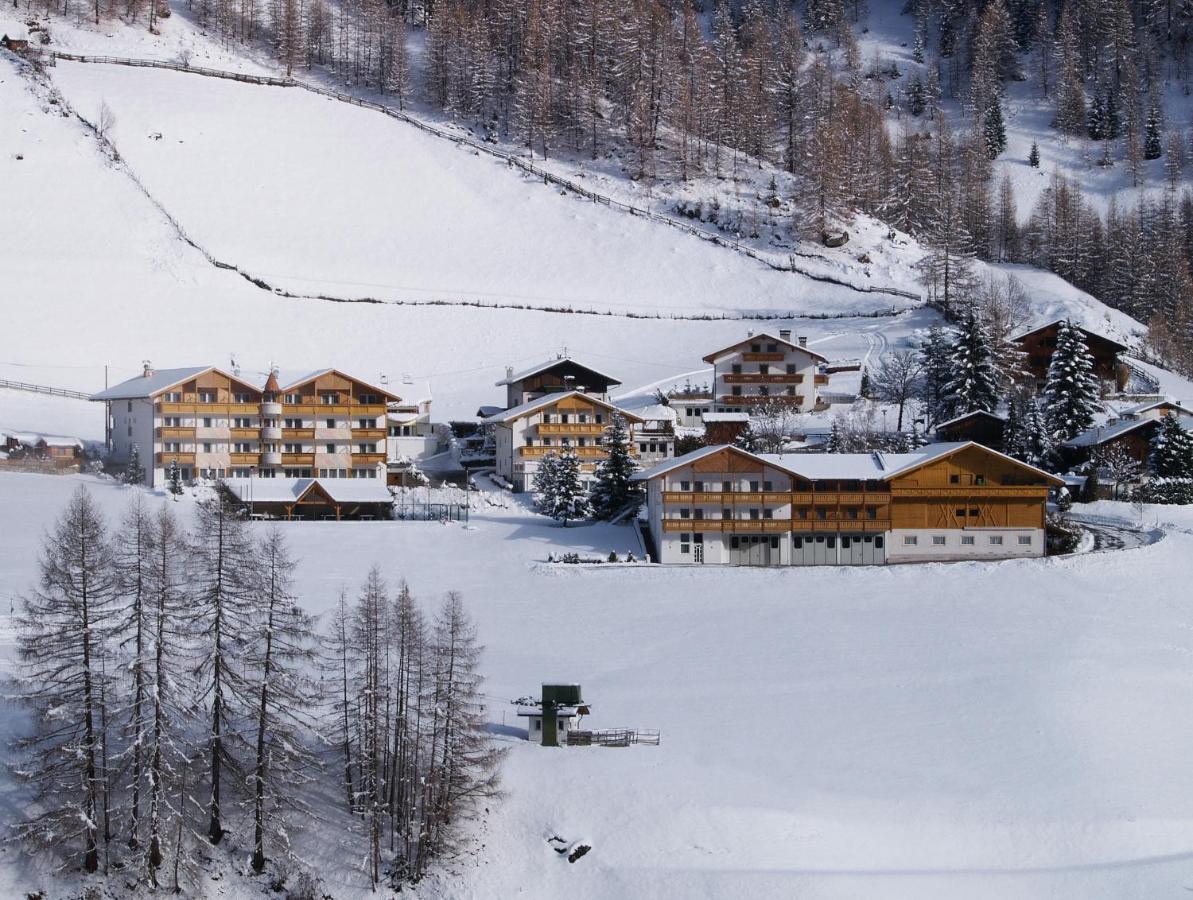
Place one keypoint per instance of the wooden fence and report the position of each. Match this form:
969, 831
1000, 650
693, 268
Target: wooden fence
613, 737
782, 265
43, 389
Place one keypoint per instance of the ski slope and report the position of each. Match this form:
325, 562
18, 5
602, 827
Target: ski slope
977, 730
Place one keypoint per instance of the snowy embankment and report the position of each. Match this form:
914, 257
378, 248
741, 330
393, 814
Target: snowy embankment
1015, 729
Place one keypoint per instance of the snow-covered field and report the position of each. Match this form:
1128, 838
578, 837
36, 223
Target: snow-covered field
1016, 729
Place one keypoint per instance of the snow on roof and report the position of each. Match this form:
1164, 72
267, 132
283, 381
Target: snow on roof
288, 490
969, 415
1045, 325
763, 335
149, 385
655, 412
840, 466
726, 417
57, 440
295, 378
1163, 402
487, 412
525, 409
550, 364
562, 712
1100, 434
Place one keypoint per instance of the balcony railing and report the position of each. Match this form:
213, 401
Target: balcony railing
246, 434
581, 452
298, 459
298, 434
760, 378
763, 357
760, 399
368, 434
821, 379
183, 459
796, 498
174, 433
772, 526
244, 459
569, 428
367, 459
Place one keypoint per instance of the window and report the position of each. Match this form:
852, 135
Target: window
753, 514
967, 540
737, 390
755, 348
368, 399
242, 447
821, 513
171, 397
726, 513
791, 368
1025, 539
207, 420
954, 479
242, 422
364, 473
330, 448
685, 485
292, 398
207, 448
292, 448
979, 479
803, 512
685, 513
973, 512
831, 542
329, 423
871, 512
366, 423
754, 486
329, 399
768, 514
685, 545
845, 543
698, 486
699, 513
772, 348
910, 540
938, 540
172, 447
878, 542
797, 543
726, 486
207, 396
763, 369
959, 513
243, 398
996, 540
736, 369
642, 447
292, 423
852, 512
766, 486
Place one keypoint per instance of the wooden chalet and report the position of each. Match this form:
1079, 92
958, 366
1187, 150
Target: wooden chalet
979, 426
312, 498
1040, 343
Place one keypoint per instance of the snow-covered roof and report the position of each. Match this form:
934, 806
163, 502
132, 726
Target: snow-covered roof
561, 712
726, 417
525, 409
552, 363
1163, 403
33, 438
1100, 434
57, 440
487, 412
839, 466
763, 336
655, 412
289, 490
292, 379
154, 383
1034, 329
970, 415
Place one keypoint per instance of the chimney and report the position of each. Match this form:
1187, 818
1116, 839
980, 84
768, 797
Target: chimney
784, 334
147, 368
803, 340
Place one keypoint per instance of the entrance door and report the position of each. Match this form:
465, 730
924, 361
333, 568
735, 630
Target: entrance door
698, 552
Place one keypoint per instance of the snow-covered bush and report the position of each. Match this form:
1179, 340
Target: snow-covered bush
1166, 490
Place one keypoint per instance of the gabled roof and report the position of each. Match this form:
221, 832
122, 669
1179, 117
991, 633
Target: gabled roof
291, 381
291, 490
1055, 322
1163, 403
1100, 434
762, 335
552, 363
971, 415
525, 409
155, 383
844, 466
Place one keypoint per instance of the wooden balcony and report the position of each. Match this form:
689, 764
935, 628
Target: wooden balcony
368, 434
760, 399
298, 434
773, 526
246, 434
821, 379
306, 460
174, 433
245, 459
581, 452
763, 357
367, 459
759, 378
183, 459
572, 428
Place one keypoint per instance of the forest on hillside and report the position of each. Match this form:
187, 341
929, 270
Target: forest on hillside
688, 89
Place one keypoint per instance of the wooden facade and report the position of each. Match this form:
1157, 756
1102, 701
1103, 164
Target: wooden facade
1040, 344
981, 427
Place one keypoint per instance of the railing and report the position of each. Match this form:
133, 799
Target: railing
762, 357
783, 265
298, 434
588, 428
369, 434
761, 378
244, 459
614, 737
176, 433
760, 526
760, 399
298, 459
368, 459
581, 452
43, 389
183, 459
246, 434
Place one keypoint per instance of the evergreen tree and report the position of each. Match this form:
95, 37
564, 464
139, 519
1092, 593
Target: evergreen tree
134, 472
174, 478
1097, 118
613, 490
1171, 452
1033, 158
1153, 130
973, 384
936, 370
746, 439
994, 130
1071, 390
565, 497
63, 628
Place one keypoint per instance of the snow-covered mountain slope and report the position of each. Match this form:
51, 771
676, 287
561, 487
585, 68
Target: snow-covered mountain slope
1008, 730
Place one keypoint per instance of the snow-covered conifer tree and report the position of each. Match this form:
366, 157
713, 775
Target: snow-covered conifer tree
63, 626
134, 472
562, 495
1071, 390
174, 478
613, 491
936, 371
1171, 452
974, 382
1033, 157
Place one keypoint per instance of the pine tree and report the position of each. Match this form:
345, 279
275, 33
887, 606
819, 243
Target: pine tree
613, 490
369, 640
1033, 158
174, 478
746, 439
1097, 118
994, 130
63, 627
974, 382
936, 371
1071, 389
134, 472
1153, 129
226, 589
278, 661
1170, 454
563, 496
